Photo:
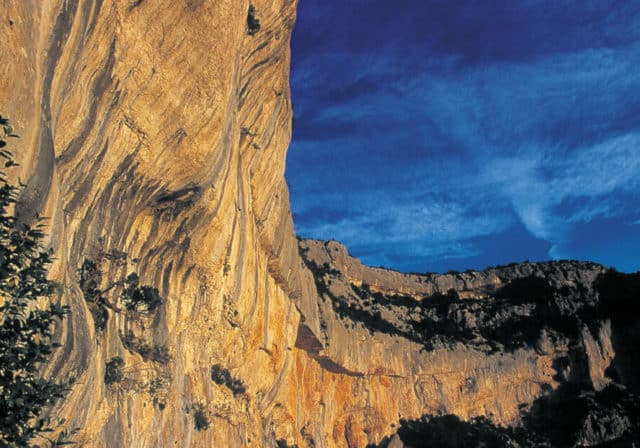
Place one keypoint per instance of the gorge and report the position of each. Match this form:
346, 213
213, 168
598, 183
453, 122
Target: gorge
153, 136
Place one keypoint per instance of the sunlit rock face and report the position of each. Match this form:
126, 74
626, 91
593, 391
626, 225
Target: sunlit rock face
153, 137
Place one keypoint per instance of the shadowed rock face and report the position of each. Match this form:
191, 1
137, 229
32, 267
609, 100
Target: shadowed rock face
154, 135
565, 327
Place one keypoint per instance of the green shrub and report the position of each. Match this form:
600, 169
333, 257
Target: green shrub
141, 299
222, 376
113, 371
90, 279
253, 23
156, 353
200, 420
28, 316
135, 298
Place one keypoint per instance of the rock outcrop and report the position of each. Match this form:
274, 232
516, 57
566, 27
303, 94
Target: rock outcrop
153, 136
532, 346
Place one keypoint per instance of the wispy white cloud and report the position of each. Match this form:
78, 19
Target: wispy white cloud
537, 185
429, 225
425, 146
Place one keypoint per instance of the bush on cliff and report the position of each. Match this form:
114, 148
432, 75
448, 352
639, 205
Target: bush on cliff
253, 23
28, 316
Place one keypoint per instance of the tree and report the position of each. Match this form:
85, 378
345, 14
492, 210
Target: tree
253, 23
28, 316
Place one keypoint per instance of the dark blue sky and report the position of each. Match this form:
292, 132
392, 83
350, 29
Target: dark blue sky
436, 135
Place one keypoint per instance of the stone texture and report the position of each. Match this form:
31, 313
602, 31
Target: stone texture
153, 135
490, 343
159, 129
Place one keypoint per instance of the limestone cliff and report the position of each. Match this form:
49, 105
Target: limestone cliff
542, 346
153, 135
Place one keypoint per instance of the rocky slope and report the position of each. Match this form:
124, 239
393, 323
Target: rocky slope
545, 348
153, 135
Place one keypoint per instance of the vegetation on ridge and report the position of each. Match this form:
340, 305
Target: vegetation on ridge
531, 307
510, 316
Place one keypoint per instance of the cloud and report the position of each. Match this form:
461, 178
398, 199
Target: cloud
421, 126
555, 103
401, 222
599, 174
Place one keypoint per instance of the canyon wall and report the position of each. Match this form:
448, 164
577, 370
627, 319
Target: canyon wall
153, 138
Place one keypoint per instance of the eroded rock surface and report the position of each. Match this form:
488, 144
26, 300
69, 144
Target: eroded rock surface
538, 348
153, 135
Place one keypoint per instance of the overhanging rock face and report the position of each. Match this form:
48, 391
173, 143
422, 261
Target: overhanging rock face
154, 134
